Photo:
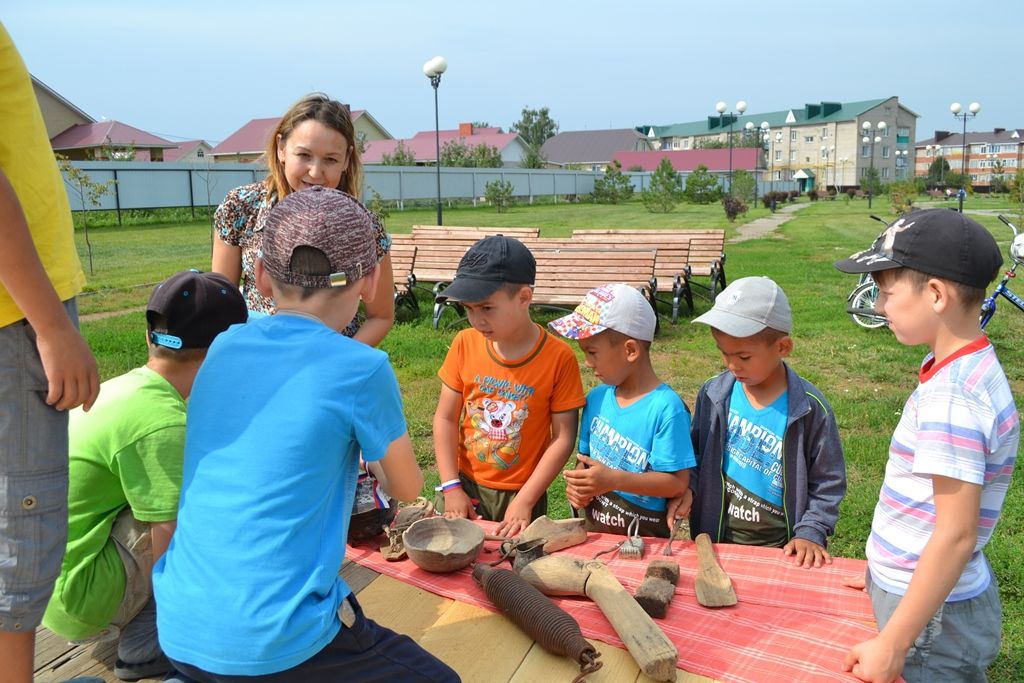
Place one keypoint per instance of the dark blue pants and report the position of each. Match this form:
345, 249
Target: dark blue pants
363, 652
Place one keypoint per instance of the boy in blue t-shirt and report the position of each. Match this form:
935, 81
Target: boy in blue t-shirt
278, 416
634, 449
770, 466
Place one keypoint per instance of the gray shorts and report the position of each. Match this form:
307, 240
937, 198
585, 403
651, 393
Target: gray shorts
33, 480
958, 643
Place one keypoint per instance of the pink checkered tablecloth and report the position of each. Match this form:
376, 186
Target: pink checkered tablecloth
790, 624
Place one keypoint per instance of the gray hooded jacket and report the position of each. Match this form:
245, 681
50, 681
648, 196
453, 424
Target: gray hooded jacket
813, 475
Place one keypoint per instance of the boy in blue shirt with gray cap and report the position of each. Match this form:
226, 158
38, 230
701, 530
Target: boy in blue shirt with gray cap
770, 468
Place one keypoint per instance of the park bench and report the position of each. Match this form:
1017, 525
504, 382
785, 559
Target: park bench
681, 255
403, 260
466, 231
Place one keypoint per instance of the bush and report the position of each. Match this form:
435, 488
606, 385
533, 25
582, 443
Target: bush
499, 194
613, 187
664, 192
902, 194
851, 192
793, 194
702, 187
766, 199
377, 206
813, 195
733, 207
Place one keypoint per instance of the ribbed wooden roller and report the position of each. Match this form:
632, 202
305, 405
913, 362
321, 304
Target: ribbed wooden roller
535, 613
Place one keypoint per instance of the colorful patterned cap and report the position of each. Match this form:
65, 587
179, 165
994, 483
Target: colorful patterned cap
616, 307
323, 220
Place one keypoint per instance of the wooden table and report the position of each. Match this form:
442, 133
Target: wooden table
451, 630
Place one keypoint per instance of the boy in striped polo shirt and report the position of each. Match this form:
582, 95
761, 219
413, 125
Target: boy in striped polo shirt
951, 457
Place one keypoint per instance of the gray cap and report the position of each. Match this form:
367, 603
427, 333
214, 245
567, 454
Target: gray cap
748, 306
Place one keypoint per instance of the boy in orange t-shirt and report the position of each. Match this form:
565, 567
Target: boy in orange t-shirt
507, 416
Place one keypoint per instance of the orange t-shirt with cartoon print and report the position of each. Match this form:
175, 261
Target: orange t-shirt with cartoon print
507, 404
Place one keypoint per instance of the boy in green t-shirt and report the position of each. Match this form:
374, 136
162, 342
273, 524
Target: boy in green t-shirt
125, 476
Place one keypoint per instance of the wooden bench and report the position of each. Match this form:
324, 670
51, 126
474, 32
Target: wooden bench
403, 261
478, 233
677, 259
566, 274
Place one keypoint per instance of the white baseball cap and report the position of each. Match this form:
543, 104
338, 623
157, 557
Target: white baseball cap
748, 306
616, 307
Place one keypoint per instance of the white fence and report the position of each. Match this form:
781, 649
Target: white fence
151, 185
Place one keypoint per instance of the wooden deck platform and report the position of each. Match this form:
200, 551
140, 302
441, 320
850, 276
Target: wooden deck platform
451, 630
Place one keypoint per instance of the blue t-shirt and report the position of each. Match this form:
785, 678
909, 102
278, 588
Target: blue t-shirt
278, 415
753, 470
650, 435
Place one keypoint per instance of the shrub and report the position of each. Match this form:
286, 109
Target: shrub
499, 194
902, 194
744, 185
614, 187
851, 192
793, 194
733, 207
766, 199
664, 192
813, 195
377, 206
702, 186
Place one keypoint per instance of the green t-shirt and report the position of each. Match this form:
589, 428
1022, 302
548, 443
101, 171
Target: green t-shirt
127, 451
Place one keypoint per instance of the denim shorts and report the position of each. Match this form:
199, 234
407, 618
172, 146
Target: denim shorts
959, 642
33, 480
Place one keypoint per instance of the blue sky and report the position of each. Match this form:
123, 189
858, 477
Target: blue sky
202, 69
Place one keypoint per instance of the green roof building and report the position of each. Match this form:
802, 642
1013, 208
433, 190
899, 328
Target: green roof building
819, 143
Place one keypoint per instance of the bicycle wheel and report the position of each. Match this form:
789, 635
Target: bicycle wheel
862, 306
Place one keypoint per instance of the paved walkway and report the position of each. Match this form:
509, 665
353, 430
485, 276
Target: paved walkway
766, 225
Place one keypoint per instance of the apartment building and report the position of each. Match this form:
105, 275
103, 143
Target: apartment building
819, 144
995, 153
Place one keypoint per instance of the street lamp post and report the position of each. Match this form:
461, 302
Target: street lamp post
902, 154
827, 153
433, 70
842, 170
741, 107
866, 127
960, 115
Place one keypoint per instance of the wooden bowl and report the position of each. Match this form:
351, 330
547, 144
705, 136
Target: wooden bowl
442, 545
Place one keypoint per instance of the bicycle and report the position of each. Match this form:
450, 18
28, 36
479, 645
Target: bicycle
861, 302
988, 307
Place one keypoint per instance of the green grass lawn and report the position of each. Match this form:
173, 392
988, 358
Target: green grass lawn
865, 374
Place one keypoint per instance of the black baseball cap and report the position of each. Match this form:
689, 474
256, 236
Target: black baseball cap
936, 242
489, 264
195, 307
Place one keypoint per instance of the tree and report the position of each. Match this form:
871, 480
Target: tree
902, 194
456, 153
400, 157
89, 193
702, 186
744, 186
938, 172
1016, 189
499, 194
871, 182
535, 126
665, 191
377, 206
532, 159
613, 187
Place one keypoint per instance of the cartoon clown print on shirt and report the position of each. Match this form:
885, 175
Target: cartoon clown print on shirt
496, 431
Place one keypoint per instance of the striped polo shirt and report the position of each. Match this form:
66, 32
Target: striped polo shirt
961, 422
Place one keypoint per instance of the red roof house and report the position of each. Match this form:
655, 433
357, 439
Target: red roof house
746, 158
109, 140
249, 142
423, 145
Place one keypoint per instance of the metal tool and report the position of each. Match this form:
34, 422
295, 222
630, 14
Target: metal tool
672, 537
633, 547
